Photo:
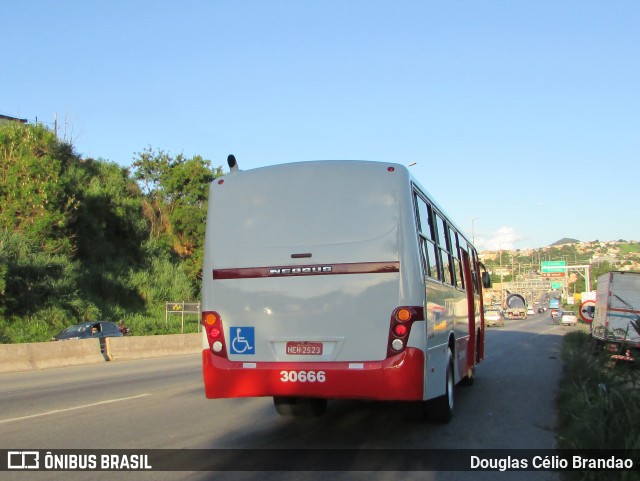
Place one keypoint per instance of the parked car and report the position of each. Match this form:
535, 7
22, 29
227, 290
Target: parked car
568, 318
492, 317
90, 330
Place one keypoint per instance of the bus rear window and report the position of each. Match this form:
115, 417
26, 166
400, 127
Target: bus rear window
321, 210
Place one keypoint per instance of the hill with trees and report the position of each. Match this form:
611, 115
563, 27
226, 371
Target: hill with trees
86, 239
565, 240
602, 256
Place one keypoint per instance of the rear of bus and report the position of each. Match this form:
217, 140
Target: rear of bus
312, 285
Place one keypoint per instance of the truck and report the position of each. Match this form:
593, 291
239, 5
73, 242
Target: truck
616, 321
516, 307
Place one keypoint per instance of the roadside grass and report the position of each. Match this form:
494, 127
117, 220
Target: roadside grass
598, 406
37, 329
159, 323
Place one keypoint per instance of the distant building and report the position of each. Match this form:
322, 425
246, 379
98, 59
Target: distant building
5, 118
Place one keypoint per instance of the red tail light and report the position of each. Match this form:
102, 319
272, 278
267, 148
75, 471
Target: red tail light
402, 319
212, 323
401, 330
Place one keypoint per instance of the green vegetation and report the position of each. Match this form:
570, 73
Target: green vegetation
598, 405
85, 239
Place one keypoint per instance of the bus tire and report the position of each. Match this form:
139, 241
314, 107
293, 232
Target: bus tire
441, 409
299, 407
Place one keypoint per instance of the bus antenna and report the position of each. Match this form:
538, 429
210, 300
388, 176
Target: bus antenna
233, 165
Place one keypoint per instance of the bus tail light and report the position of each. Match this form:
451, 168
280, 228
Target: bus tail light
212, 323
402, 319
400, 330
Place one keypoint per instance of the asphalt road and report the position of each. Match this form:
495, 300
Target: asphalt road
160, 404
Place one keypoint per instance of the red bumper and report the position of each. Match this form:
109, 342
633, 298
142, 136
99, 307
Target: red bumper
397, 378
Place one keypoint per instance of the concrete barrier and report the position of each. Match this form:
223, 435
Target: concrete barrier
44, 355
139, 347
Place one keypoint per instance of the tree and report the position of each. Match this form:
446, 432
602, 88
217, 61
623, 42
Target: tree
84, 239
176, 191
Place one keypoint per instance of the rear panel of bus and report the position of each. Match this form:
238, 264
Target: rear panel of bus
303, 267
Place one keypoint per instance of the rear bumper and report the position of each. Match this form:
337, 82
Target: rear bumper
397, 378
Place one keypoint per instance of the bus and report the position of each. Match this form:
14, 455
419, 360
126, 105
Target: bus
337, 280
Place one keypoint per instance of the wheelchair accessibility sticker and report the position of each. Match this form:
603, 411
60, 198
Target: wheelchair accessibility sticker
243, 340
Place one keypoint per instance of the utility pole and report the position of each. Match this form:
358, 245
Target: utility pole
473, 230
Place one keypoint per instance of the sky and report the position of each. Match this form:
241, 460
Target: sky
522, 117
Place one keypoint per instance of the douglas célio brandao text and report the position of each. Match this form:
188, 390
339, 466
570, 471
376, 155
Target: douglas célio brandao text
555, 462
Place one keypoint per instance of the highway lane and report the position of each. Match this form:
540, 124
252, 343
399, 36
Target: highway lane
159, 403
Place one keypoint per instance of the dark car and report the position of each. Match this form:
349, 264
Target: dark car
91, 330
556, 314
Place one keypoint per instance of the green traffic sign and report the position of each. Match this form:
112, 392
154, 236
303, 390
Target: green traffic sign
553, 266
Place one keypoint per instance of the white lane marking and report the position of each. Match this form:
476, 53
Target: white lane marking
57, 411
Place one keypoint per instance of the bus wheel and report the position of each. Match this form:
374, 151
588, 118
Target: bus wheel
301, 407
441, 409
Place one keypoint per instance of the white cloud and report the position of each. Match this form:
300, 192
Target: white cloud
504, 238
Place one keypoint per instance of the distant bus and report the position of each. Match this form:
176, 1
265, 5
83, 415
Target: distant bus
337, 280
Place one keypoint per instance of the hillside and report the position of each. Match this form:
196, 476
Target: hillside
565, 240
86, 239
601, 256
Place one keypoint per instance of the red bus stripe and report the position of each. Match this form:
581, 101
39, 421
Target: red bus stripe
306, 270
626, 311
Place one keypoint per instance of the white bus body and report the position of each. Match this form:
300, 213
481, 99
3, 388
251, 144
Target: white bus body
317, 284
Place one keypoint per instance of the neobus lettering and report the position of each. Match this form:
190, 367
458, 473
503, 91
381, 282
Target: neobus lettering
299, 270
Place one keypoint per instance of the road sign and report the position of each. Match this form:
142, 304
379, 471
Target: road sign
180, 307
553, 274
553, 268
587, 310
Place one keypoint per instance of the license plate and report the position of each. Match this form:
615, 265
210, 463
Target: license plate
304, 348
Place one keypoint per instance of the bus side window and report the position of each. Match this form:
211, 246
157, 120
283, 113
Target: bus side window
418, 208
457, 256
474, 268
454, 261
443, 246
434, 271
427, 244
